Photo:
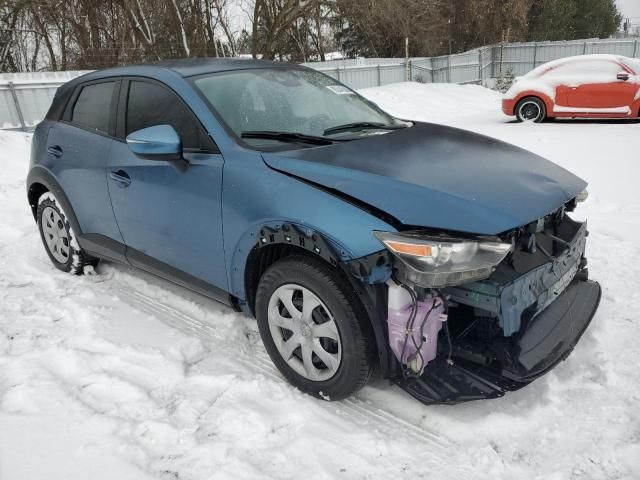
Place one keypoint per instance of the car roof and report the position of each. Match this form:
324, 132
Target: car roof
578, 58
186, 67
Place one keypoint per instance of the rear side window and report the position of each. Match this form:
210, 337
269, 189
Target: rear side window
150, 104
93, 107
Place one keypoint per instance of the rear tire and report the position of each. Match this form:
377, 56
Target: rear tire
324, 346
531, 109
58, 237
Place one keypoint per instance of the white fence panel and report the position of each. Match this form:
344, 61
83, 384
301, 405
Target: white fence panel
465, 68
34, 91
34, 100
26, 97
368, 76
9, 117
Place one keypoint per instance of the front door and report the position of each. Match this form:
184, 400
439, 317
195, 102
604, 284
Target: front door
600, 90
170, 219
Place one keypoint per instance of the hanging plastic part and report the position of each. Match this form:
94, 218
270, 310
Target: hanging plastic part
89, 270
414, 325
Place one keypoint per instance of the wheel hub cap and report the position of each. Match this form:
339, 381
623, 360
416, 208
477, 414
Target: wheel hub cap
530, 111
304, 332
55, 235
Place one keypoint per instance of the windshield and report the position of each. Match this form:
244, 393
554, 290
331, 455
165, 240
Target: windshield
634, 63
291, 100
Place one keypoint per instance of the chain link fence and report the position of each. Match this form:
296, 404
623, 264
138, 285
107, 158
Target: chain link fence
25, 97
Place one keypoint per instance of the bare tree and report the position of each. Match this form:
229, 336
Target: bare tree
183, 33
222, 9
272, 22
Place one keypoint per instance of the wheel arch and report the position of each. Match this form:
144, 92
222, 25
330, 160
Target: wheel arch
267, 243
548, 101
40, 181
275, 242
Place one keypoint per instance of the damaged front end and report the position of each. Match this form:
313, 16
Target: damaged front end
475, 318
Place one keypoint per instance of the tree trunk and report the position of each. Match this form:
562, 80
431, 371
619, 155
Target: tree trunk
254, 35
225, 27
183, 33
319, 44
53, 64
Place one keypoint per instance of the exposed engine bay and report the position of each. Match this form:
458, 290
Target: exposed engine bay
483, 338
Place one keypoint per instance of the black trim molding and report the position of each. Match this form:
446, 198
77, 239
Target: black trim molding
102, 246
174, 275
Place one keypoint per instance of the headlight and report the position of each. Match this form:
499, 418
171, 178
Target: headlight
434, 262
582, 196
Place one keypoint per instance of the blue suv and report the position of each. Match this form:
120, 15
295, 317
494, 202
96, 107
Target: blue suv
444, 259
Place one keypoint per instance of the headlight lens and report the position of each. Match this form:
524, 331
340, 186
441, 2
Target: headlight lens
434, 262
582, 196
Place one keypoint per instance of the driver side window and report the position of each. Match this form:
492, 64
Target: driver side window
149, 104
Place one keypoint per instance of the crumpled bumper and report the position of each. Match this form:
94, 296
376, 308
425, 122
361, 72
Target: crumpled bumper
547, 340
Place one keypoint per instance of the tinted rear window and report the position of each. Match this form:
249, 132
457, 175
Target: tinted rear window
93, 107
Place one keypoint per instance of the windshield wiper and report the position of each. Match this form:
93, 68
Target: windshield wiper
290, 137
363, 126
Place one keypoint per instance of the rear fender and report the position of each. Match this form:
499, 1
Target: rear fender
40, 175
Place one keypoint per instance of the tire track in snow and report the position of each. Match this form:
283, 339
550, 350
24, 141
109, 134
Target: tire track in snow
440, 448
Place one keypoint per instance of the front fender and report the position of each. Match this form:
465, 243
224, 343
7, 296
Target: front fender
548, 101
274, 199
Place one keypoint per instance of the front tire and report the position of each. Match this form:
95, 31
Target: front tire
314, 328
531, 109
58, 237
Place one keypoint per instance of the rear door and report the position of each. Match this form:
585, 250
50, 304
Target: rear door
78, 147
171, 220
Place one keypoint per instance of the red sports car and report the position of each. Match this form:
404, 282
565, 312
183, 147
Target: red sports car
587, 86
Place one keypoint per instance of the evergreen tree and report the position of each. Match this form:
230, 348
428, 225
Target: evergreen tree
243, 43
573, 19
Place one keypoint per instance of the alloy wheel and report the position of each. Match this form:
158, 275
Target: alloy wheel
529, 111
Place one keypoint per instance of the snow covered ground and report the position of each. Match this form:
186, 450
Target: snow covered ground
125, 376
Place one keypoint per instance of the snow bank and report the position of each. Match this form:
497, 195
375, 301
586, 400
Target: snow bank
437, 102
126, 376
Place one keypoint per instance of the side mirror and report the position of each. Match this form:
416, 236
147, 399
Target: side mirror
156, 143
624, 76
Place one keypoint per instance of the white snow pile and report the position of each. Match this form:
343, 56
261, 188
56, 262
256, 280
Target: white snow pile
125, 376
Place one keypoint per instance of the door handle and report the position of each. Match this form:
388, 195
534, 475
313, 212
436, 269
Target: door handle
55, 150
121, 178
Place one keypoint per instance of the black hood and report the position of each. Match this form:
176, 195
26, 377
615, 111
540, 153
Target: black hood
436, 176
